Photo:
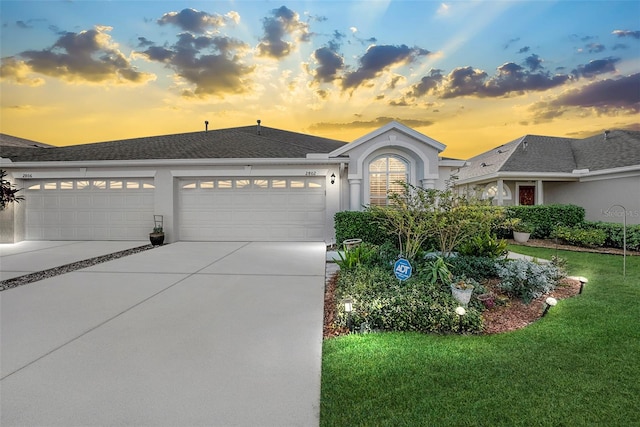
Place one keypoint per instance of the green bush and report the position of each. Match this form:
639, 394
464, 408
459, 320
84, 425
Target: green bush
484, 245
614, 234
351, 258
545, 218
359, 225
580, 236
381, 302
480, 268
528, 280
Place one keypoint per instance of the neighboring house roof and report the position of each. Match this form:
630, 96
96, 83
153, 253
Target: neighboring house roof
14, 141
232, 143
620, 148
534, 154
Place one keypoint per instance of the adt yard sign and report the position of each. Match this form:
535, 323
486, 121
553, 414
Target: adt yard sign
402, 269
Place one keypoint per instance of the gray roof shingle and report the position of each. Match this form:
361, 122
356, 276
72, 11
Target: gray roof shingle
232, 143
545, 154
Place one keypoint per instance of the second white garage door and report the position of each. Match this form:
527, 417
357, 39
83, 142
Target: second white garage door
252, 209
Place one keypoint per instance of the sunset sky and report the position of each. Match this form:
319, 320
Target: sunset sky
470, 74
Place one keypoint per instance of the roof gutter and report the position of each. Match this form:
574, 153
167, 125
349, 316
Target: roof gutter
168, 162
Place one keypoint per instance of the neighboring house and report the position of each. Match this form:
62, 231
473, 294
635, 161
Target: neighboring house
596, 173
246, 183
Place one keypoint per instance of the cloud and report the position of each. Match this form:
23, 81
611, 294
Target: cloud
283, 23
211, 63
18, 71
595, 47
330, 63
369, 124
610, 96
623, 93
595, 67
627, 33
510, 78
197, 21
463, 81
379, 58
427, 83
533, 62
87, 56
524, 49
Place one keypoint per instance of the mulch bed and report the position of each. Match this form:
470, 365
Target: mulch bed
501, 318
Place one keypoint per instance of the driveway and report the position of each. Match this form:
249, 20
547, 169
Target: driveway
187, 334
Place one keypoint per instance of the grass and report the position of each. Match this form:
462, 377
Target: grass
577, 366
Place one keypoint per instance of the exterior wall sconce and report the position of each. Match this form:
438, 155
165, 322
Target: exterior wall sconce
333, 178
551, 302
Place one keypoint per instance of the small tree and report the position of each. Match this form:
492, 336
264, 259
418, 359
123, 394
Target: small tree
9, 191
416, 214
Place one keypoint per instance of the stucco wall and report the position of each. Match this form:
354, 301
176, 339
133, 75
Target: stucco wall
597, 197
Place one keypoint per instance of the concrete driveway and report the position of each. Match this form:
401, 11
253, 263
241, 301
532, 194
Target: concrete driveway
187, 334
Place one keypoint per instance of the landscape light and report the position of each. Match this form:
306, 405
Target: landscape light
551, 302
460, 311
583, 281
348, 305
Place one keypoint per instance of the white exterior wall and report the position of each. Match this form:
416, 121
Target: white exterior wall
166, 177
597, 197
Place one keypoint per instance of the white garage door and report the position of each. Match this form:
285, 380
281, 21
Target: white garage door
89, 209
254, 209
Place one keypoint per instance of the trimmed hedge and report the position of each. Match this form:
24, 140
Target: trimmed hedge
359, 225
545, 218
614, 234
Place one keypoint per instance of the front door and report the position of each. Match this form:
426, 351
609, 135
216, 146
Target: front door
527, 195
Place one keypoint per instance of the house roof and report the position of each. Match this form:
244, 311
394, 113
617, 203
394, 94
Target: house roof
14, 141
392, 125
620, 148
232, 143
533, 154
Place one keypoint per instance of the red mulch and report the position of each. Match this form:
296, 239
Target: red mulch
501, 318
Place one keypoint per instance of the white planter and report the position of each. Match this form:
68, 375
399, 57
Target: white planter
463, 296
521, 237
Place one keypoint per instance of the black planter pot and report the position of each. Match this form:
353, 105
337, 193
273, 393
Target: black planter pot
156, 239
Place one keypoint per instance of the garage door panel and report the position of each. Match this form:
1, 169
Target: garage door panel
88, 210
50, 202
252, 209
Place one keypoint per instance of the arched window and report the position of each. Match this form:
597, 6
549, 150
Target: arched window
384, 174
491, 191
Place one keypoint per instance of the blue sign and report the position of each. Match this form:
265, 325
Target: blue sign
402, 269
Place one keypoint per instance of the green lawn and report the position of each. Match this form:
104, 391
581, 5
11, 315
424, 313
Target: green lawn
578, 366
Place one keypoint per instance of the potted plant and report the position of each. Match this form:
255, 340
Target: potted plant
462, 288
157, 235
522, 231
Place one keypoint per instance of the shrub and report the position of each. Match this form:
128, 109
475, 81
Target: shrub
580, 236
480, 268
360, 225
528, 280
381, 302
483, 245
417, 215
350, 258
545, 218
8, 192
614, 234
